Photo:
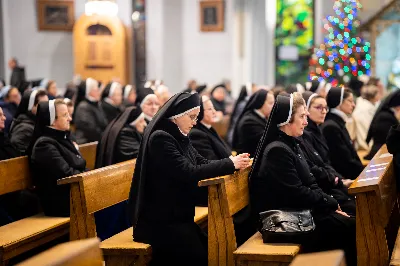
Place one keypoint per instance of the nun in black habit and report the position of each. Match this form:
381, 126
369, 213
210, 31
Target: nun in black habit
384, 118
90, 120
330, 181
251, 122
280, 179
342, 153
120, 142
23, 124
130, 95
53, 156
167, 171
207, 142
218, 98
111, 100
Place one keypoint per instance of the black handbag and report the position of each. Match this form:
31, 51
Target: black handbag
281, 226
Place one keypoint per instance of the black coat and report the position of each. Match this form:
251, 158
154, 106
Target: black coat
393, 145
380, 128
250, 130
7, 150
110, 111
314, 137
21, 131
18, 78
128, 144
90, 122
325, 176
284, 181
342, 154
173, 171
54, 157
209, 145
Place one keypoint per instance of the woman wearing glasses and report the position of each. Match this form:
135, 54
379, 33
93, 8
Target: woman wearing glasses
316, 151
164, 185
342, 154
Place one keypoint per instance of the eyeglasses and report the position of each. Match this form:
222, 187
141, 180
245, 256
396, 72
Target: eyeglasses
193, 118
210, 109
321, 108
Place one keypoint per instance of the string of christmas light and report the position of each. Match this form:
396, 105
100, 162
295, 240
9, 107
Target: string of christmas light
343, 54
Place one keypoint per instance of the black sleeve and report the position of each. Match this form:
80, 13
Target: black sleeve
45, 155
85, 121
127, 146
252, 131
164, 148
341, 157
202, 144
286, 178
21, 137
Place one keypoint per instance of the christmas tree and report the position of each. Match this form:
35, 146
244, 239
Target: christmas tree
343, 54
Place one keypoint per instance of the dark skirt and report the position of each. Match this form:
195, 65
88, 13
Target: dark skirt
174, 244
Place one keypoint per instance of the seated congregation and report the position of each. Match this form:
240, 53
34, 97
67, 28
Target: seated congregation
291, 147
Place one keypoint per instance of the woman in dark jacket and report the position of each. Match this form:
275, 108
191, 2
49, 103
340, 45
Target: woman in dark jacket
330, 181
280, 179
393, 146
167, 171
112, 100
10, 98
385, 117
90, 120
53, 156
342, 154
207, 142
120, 142
22, 127
251, 123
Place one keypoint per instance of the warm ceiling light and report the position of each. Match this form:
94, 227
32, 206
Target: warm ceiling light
101, 7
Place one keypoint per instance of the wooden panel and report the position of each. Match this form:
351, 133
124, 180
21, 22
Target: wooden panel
88, 152
109, 187
237, 191
328, 258
14, 175
75, 253
395, 260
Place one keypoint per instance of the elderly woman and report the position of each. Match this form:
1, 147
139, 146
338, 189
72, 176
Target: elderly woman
342, 153
167, 171
112, 100
90, 120
280, 179
150, 106
53, 156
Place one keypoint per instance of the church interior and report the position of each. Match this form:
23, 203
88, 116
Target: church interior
200, 132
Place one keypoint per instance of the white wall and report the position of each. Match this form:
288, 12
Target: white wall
177, 51
43, 53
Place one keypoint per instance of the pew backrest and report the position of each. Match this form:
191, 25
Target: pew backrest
227, 195
75, 253
95, 190
376, 197
15, 174
88, 151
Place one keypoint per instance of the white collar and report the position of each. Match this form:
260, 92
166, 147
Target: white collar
206, 125
340, 114
108, 100
90, 98
147, 117
259, 113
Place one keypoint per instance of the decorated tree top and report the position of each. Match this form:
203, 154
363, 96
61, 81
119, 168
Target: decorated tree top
343, 54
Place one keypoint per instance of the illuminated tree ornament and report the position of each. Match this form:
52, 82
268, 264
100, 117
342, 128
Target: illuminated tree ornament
343, 51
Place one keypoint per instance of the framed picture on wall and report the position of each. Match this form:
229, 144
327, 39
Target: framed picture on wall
212, 16
55, 15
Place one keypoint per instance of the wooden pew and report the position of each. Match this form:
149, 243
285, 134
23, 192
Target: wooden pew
228, 195
395, 260
88, 151
98, 189
31, 232
76, 253
327, 258
376, 202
